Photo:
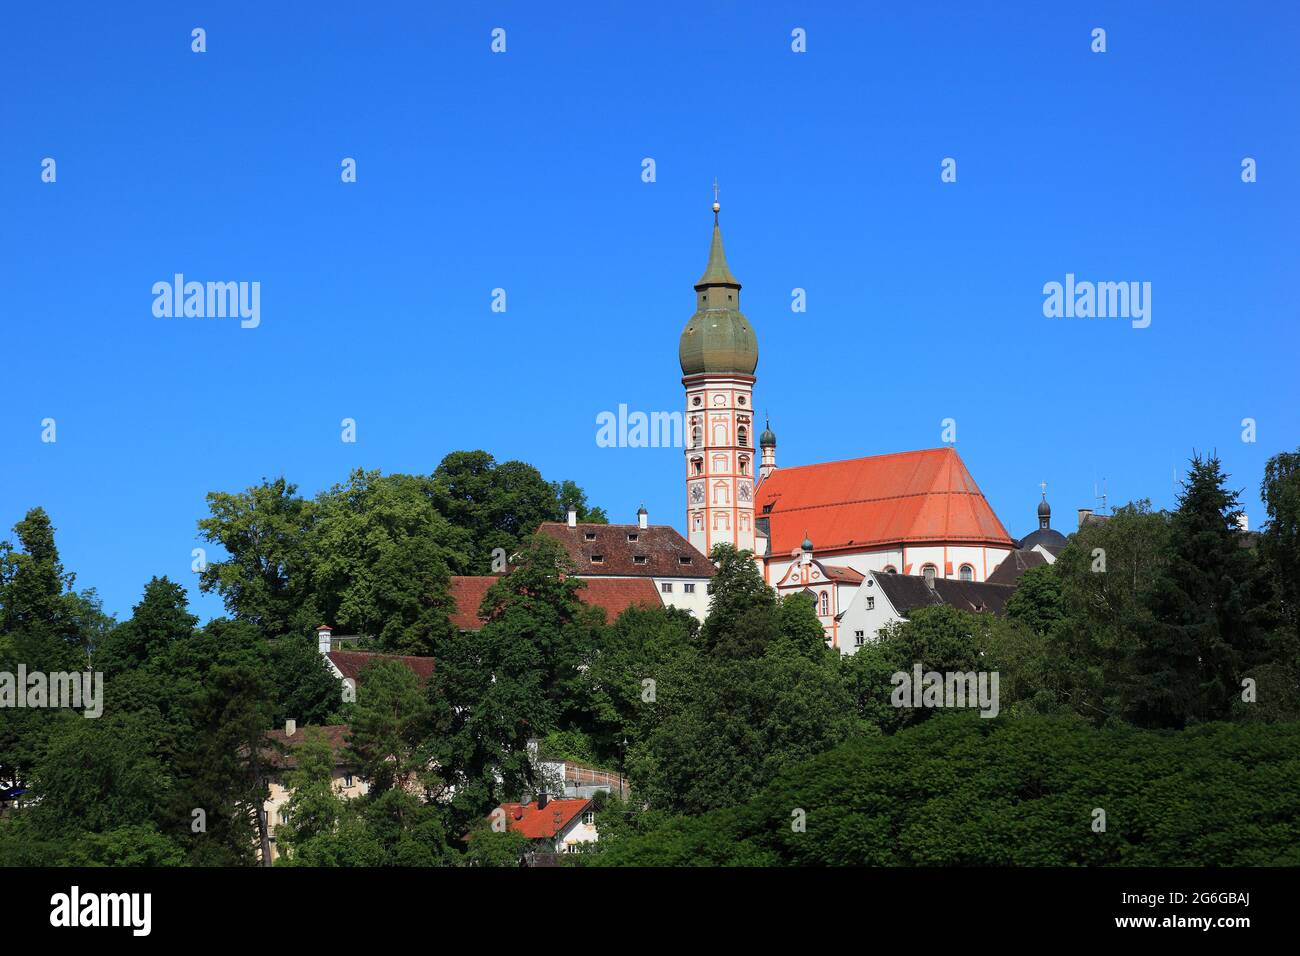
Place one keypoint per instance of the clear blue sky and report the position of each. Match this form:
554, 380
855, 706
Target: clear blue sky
523, 171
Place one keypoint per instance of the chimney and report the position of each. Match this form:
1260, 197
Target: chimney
1084, 515
573, 517
323, 634
541, 800
1243, 522
642, 518
290, 727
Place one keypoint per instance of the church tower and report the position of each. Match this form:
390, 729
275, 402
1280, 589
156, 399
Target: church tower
718, 353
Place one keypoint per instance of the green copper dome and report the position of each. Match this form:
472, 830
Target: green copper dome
768, 438
718, 338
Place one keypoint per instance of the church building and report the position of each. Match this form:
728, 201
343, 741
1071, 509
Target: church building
821, 528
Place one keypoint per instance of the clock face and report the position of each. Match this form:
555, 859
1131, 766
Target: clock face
697, 494
743, 491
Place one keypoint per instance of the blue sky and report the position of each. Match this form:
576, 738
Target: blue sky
522, 171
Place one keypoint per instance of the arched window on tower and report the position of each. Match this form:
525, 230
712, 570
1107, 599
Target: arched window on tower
744, 465
826, 604
697, 436
742, 436
967, 573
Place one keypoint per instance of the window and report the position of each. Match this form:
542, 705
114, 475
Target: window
742, 436
890, 569
634, 537
284, 816
826, 604
967, 573
688, 588
597, 559
697, 466
589, 818
666, 587
744, 465
871, 604
929, 571
859, 638
590, 536
683, 559
639, 558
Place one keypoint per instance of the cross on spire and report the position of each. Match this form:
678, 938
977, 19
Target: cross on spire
1043, 485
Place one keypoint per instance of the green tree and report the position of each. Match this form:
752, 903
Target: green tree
265, 580
381, 552
1212, 611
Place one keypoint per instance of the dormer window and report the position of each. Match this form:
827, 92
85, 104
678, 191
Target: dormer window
590, 536
683, 559
639, 559
597, 559
633, 537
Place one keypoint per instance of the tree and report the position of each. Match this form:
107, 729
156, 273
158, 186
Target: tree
499, 505
380, 553
1037, 599
518, 678
1279, 541
1212, 610
389, 723
160, 619
265, 579
314, 809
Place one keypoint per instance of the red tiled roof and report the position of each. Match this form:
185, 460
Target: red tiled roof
545, 823
842, 575
667, 554
352, 663
335, 735
467, 593
616, 595
612, 595
865, 503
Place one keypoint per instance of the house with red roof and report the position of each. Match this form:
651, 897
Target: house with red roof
558, 826
349, 665
620, 566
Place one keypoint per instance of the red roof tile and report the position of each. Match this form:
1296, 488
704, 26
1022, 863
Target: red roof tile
665, 552
842, 575
867, 503
335, 735
545, 823
616, 595
352, 663
467, 592
612, 595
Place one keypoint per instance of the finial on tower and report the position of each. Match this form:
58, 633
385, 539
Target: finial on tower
1043, 485
716, 205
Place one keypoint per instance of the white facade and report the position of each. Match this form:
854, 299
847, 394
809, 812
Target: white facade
689, 594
